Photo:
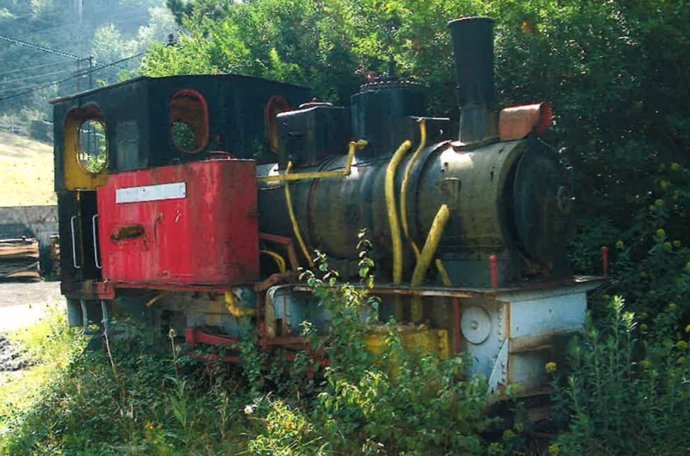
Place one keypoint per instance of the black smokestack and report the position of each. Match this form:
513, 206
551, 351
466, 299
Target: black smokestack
473, 48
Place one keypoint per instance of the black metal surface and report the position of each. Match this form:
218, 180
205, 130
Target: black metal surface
137, 118
308, 135
380, 111
541, 204
474, 65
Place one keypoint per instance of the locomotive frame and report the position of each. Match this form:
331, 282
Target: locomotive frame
205, 194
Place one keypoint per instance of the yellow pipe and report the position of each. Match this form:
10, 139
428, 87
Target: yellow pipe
285, 177
406, 184
156, 298
280, 261
392, 210
428, 252
293, 219
234, 309
445, 278
394, 221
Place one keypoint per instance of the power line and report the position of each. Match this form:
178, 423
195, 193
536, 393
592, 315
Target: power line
81, 74
35, 76
39, 48
31, 68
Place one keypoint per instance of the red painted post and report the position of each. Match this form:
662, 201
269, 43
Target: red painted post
605, 260
493, 260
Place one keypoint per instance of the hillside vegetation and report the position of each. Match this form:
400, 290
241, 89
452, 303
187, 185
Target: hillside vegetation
26, 171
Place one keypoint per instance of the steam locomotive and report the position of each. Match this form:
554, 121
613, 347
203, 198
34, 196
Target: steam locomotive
191, 201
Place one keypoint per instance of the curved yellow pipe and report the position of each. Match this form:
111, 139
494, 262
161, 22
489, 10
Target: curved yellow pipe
293, 219
428, 252
392, 210
280, 261
406, 184
445, 278
234, 309
285, 177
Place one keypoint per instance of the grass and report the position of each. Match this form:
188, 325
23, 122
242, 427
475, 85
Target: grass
48, 346
26, 170
143, 401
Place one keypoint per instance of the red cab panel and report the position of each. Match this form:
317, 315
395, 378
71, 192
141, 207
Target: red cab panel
191, 224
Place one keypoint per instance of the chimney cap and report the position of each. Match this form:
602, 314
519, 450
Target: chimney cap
471, 19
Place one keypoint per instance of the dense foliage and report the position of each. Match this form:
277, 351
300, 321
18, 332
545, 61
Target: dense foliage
627, 394
56, 33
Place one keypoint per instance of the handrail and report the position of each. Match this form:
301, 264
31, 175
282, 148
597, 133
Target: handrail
74, 242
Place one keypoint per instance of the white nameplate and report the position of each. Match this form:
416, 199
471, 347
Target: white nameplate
160, 192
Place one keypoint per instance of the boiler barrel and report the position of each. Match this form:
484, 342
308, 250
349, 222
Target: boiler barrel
478, 186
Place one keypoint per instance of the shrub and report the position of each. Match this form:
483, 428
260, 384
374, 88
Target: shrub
625, 396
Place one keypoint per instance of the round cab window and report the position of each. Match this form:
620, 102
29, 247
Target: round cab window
93, 146
189, 121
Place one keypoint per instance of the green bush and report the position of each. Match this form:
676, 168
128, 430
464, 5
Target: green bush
626, 396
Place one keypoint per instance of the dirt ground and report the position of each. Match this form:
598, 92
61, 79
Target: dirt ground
21, 305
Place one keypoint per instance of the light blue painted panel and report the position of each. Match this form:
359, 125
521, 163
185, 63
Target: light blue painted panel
548, 315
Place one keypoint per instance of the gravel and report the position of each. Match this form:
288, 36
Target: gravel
11, 358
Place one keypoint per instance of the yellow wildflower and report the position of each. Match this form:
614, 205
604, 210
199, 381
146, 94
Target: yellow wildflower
554, 450
675, 166
659, 202
661, 232
620, 245
668, 247
645, 364
682, 345
677, 244
664, 184
673, 306
550, 367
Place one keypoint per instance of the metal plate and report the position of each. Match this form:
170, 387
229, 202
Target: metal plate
475, 324
176, 190
541, 203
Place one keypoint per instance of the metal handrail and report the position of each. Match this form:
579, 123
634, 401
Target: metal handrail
74, 242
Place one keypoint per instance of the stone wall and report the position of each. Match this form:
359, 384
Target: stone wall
36, 221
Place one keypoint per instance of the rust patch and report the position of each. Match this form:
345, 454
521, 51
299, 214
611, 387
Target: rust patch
519, 121
128, 232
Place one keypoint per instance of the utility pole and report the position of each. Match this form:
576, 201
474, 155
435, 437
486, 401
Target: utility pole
90, 59
79, 10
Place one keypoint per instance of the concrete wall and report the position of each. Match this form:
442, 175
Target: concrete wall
37, 221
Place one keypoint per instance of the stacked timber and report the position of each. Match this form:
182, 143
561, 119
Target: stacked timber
19, 260
55, 254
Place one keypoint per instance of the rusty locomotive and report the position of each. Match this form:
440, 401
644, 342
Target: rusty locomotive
191, 201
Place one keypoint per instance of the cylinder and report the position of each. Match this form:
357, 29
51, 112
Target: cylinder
473, 52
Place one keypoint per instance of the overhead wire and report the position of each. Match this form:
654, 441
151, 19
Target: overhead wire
38, 47
35, 76
81, 74
33, 67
